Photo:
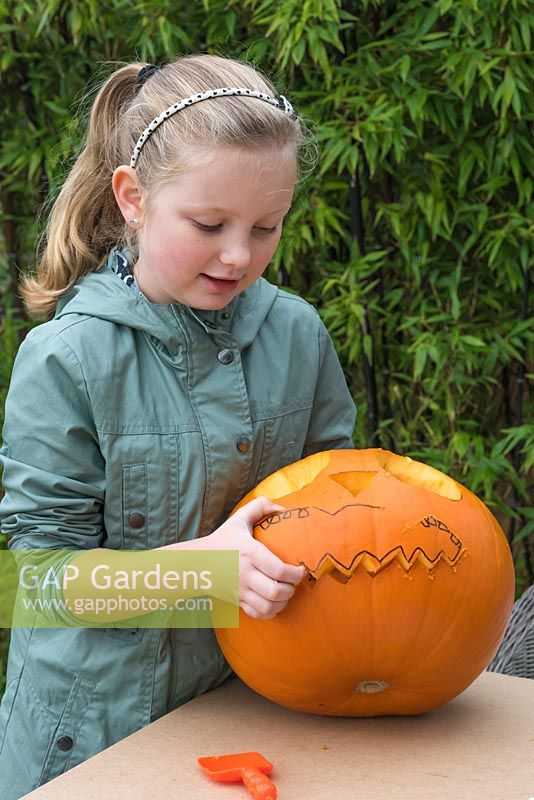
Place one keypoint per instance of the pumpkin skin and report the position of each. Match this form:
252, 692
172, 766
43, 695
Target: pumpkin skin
410, 586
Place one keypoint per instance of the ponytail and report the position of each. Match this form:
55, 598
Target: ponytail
85, 221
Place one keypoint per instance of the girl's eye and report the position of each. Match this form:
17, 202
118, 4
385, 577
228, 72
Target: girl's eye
208, 228
215, 228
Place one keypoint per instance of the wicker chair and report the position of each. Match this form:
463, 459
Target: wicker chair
515, 655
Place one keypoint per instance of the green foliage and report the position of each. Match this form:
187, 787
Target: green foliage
413, 236
429, 112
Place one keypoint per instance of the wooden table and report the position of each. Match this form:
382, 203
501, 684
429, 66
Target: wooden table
479, 746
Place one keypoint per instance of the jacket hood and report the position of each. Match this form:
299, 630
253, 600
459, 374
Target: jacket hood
104, 295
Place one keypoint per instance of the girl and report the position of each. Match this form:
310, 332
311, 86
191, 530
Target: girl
171, 379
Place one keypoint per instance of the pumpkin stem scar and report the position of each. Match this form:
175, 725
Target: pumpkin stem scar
372, 687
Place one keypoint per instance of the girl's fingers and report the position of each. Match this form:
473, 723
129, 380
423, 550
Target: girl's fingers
269, 589
249, 610
260, 556
257, 509
264, 598
272, 566
260, 608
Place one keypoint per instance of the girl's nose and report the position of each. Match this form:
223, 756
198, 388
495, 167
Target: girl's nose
236, 254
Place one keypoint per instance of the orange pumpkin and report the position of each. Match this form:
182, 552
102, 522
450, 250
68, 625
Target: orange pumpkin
410, 585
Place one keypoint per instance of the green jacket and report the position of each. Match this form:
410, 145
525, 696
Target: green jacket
120, 407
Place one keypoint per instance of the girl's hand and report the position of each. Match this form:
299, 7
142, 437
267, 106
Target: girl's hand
265, 582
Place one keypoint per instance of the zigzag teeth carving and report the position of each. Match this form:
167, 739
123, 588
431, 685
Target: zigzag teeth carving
373, 565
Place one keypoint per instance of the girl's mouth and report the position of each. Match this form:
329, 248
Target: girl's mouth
219, 284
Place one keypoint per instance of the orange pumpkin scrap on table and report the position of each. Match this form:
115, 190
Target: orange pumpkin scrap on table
410, 586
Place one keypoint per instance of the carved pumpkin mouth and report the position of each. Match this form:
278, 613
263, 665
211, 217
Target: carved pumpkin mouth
415, 544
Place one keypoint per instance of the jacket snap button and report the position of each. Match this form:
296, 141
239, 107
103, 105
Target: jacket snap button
136, 520
64, 743
243, 444
225, 356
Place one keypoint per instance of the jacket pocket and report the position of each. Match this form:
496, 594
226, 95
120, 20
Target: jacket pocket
41, 741
64, 749
134, 507
284, 436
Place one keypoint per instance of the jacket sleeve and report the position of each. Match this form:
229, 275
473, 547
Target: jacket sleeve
334, 412
53, 469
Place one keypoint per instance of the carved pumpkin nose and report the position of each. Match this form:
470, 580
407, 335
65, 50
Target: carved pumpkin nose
410, 587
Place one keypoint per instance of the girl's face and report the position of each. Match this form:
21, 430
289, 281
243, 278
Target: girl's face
213, 231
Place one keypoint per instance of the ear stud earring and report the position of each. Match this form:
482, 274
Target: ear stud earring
134, 221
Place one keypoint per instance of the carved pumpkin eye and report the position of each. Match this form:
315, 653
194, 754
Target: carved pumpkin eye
410, 586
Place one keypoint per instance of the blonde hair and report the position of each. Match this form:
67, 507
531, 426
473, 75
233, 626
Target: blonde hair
85, 220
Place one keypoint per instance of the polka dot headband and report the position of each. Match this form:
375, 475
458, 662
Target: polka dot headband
279, 101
